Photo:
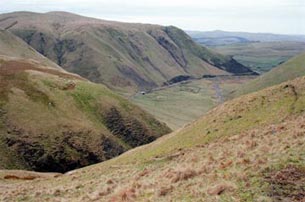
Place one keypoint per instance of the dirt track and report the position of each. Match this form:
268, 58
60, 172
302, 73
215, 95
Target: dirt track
218, 91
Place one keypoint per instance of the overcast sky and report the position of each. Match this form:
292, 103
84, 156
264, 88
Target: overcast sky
275, 16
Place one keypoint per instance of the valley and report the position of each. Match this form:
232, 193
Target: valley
101, 110
236, 147
127, 57
180, 104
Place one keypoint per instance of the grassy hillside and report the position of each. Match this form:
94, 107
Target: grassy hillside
250, 148
124, 56
12, 46
289, 70
51, 120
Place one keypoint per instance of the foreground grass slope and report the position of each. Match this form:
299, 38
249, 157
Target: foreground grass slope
289, 70
124, 56
51, 120
247, 149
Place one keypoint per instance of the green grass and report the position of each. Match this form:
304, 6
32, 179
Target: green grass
43, 113
181, 104
255, 132
253, 111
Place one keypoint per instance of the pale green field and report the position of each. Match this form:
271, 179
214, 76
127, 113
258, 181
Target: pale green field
183, 103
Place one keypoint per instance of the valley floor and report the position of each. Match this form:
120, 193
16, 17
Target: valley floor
184, 102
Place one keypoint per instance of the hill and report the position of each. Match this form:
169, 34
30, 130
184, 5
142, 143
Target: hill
124, 56
52, 120
13, 46
289, 70
250, 148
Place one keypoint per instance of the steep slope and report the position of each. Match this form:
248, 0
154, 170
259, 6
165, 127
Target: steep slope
121, 55
12, 46
250, 148
289, 70
51, 120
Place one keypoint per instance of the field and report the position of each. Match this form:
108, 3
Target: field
182, 103
262, 56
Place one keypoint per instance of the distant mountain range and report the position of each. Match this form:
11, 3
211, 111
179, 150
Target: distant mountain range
218, 37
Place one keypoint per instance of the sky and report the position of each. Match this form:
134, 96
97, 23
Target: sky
269, 16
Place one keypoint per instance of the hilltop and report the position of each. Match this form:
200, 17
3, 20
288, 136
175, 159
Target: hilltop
289, 70
124, 56
52, 120
250, 148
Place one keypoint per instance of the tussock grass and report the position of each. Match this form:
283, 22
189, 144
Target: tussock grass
249, 138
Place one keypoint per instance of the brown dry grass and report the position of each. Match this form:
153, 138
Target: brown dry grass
227, 168
212, 171
11, 67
